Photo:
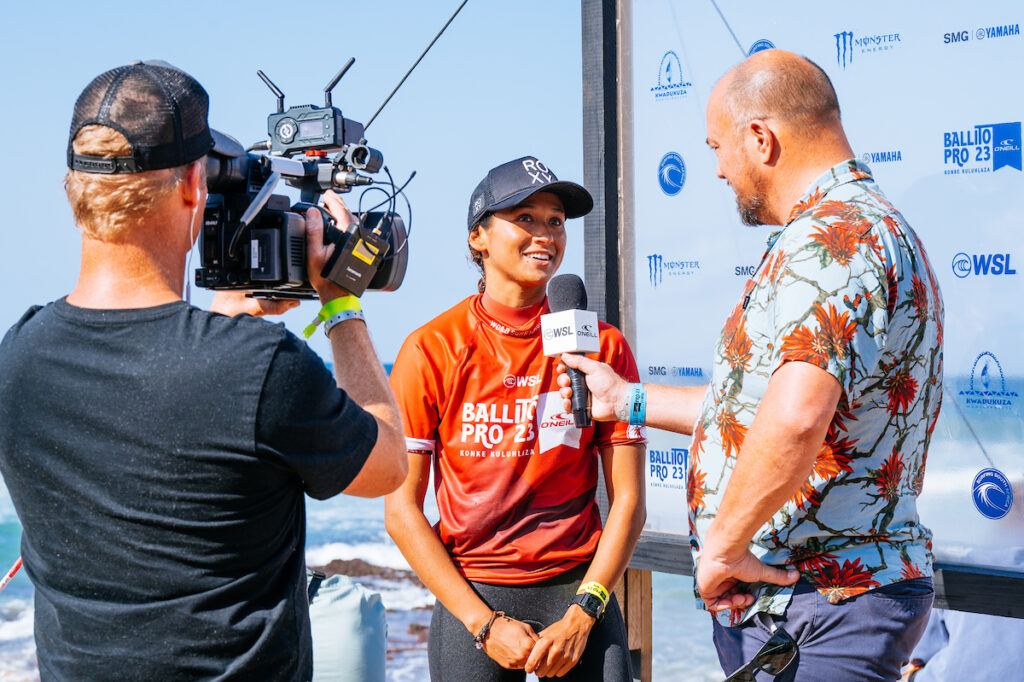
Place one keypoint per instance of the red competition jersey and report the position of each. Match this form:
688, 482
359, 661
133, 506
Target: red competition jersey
514, 478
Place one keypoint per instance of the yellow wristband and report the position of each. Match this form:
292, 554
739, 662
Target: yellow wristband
330, 309
596, 589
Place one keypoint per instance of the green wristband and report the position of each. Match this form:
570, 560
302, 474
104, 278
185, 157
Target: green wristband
330, 309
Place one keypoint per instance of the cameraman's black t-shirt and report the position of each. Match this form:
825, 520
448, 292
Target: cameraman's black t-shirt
157, 459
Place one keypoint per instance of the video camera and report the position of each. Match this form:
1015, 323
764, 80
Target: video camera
255, 240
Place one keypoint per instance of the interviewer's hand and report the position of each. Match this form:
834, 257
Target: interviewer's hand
233, 303
607, 389
317, 252
510, 642
723, 575
561, 644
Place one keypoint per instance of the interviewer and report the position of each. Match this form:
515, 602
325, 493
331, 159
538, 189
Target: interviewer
157, 454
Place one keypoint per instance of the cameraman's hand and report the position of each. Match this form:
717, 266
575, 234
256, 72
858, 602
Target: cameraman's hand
317, 252
233, 303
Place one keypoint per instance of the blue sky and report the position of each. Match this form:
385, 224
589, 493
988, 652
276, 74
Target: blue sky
504, 81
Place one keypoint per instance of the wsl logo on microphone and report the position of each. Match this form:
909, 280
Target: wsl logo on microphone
985, 148
671, 174
671, 83
988, 385
982, 265
848, 45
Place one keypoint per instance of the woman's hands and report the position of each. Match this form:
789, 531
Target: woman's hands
514, 645
510, 642
561, 644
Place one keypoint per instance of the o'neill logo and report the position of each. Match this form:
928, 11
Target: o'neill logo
982, 149
671, 83
882, 157
988, 384
671, 174
658, 267
993, 494
760, 46
981, 264
847, 45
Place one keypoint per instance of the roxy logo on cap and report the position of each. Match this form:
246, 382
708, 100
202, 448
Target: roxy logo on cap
537, 171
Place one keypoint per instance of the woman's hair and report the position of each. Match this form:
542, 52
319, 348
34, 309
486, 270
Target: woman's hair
105, 205
476, 256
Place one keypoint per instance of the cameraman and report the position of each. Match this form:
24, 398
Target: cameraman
158, 454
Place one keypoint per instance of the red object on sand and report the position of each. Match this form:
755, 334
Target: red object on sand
10, 574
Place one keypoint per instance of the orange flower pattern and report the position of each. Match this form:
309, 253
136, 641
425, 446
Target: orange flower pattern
845, 286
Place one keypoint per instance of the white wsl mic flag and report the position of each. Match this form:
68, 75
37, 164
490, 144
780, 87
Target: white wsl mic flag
570, 331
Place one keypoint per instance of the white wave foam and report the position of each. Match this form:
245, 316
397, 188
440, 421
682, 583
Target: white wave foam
374, 553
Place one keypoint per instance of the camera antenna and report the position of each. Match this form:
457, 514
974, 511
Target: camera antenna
334, 81
372, 118
274, 89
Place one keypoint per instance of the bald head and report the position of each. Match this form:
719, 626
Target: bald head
783, 86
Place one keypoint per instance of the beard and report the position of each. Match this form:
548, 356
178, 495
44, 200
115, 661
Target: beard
752, 205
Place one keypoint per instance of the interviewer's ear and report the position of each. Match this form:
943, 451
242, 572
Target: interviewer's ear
193, 183
762, 140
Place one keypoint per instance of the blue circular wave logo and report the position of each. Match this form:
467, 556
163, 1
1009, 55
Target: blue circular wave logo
961, 265
993, 495
762, 44
671, 174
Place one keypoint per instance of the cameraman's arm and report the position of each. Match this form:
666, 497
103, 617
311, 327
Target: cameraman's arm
358, 370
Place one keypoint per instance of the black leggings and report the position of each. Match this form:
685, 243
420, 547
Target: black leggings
454, 657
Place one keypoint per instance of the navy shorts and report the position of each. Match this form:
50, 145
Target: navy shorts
865, 638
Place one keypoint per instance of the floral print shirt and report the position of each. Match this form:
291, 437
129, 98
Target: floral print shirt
846, 286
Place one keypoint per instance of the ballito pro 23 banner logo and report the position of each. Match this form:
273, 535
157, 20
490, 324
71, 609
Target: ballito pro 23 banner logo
982, 149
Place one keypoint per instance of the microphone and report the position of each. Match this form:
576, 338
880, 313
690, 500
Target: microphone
571, 328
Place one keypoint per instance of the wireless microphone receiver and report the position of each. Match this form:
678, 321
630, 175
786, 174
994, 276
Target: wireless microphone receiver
571, 328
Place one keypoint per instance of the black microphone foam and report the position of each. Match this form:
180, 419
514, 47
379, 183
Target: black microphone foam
566, 292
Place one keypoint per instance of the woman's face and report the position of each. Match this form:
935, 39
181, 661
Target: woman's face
523, 246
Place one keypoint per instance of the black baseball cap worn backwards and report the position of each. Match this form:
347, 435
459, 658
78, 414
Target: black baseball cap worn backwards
513, 182
161, 111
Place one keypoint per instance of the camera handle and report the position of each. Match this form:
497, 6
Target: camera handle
332, 235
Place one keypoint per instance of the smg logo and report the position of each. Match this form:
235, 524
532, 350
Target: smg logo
982, 264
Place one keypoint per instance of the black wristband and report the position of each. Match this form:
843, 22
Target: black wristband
481, 636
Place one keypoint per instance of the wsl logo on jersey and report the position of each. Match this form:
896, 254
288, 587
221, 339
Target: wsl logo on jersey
658, 268
760, 46
849, 45
875, 158
982, 149
671, 174
982, 264
671, 83
988, 385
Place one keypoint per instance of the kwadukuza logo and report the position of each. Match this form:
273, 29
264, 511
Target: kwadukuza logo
848, 45
985, 148
671, 83
988, 385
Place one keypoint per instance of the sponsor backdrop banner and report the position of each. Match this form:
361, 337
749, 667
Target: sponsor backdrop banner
931, 101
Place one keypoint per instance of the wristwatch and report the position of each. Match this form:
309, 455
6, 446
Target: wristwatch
591, 604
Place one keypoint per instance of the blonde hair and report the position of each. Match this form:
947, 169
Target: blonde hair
104, 206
